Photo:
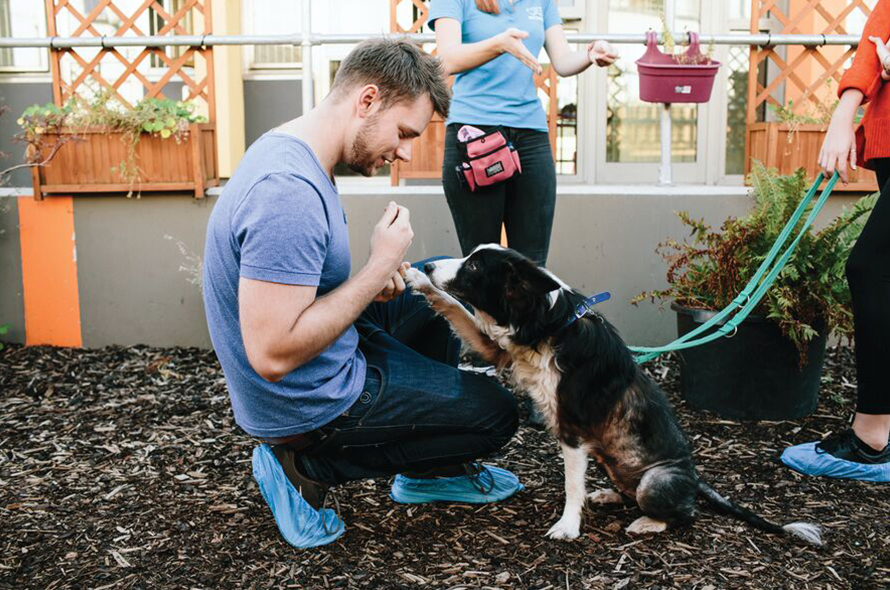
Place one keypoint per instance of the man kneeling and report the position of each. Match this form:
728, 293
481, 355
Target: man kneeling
344, 378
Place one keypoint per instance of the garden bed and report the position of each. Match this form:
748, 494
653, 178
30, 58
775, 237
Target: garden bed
122, 468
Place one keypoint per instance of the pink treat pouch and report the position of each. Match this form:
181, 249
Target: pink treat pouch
486, 158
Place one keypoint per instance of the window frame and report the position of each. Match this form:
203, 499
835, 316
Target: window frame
710, 165
44, 67
249, 51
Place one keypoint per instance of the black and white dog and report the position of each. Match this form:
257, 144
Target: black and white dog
584, 380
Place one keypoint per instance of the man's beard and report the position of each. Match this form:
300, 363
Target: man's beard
361, 159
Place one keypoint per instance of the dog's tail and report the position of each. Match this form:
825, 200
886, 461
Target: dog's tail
810, 533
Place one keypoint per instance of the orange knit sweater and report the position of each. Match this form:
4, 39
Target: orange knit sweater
873, 135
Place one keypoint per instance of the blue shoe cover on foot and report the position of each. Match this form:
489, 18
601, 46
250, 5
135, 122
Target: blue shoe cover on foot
300, 524
492, 484
808, 460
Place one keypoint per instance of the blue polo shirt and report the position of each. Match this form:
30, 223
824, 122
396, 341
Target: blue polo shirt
502, 91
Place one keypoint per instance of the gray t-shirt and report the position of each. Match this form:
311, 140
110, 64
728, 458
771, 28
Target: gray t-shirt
279, 219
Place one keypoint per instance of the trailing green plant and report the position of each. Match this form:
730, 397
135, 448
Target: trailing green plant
711, 269
795, 117
3, 331
156, 116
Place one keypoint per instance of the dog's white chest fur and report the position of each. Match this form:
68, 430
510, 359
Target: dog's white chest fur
534, 371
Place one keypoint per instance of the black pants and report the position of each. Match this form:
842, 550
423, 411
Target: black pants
868, 273
524, 203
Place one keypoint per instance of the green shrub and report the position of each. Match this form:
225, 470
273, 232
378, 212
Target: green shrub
711, 269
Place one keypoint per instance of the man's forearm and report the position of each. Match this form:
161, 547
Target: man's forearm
327, 318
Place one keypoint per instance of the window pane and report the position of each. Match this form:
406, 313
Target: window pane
276, 17
22, 18
736, 110
739, 9
566, 115
632, 125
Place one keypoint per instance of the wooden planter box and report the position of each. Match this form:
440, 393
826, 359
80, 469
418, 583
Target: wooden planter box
89, 164
777, 146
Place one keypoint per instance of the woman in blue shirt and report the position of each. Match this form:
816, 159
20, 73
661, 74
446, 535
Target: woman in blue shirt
492, 46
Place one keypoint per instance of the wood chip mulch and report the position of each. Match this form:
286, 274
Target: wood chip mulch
122, 468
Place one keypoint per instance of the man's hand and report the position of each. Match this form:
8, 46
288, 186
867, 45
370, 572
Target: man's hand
510, 41
389, 241
395, 286
883, 50
489, 6
601, 53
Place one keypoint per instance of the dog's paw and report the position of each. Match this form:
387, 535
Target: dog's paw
645, 526
418, 281
565, 529
605, 497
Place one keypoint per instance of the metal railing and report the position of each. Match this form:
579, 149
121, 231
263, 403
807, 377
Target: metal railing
306, 40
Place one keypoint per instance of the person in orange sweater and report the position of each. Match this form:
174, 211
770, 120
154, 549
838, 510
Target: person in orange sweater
862, 452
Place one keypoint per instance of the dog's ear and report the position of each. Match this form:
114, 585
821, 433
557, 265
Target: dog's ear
527, 279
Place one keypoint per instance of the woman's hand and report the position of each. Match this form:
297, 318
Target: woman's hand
839, 146
489, 6
510, 41
601, 53
883, 50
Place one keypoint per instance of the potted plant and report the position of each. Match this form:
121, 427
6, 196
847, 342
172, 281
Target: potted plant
771, 368
90, 147
793, 140
671, 77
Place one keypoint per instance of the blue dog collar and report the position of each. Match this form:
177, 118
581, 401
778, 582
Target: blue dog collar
586, 306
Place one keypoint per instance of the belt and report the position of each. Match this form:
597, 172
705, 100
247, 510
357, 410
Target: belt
296, 442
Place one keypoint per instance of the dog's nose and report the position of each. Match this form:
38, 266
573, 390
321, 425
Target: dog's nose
429, 267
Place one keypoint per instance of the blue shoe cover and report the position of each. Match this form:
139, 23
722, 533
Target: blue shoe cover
300, 524
807, 460
492, 484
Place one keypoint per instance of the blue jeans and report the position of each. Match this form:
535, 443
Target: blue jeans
417, 411
524, 204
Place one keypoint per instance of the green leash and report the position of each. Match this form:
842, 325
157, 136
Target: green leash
756, 288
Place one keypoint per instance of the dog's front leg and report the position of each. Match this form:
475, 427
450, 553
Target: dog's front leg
568, 527
459, 318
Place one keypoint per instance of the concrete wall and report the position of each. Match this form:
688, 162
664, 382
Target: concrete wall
134, 280
604, 238
269, 103
16, 97
136, 258
12, 310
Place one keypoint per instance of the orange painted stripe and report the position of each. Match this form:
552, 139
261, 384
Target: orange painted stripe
49, 272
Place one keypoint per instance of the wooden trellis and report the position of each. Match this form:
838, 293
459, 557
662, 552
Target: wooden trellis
801, 80
172, 18
795, 72
429, 148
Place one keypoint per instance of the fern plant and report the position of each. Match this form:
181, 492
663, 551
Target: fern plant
709, 270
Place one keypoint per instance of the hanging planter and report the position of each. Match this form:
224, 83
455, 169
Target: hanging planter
665, 78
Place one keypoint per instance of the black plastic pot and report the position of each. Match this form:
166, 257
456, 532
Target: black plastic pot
752, 376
